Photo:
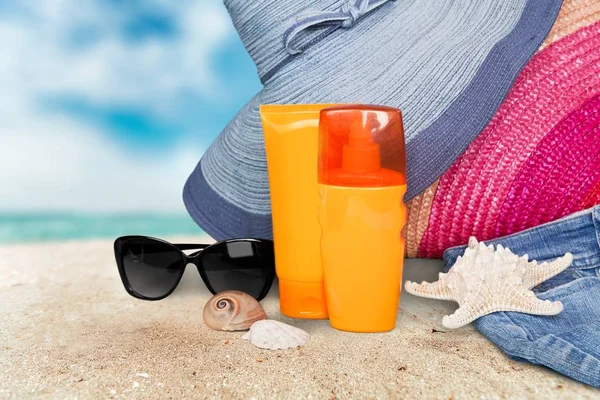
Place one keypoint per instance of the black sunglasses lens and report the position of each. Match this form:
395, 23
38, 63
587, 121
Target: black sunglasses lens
152, 268
239, 265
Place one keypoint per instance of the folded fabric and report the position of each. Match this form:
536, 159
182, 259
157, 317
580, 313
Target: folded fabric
537, 160
569, 342
447, 64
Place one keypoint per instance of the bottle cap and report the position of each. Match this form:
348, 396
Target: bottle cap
361, 145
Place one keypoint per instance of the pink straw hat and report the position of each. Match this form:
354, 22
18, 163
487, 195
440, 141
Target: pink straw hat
537, 160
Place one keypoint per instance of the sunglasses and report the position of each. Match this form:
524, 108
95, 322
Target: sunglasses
151, 268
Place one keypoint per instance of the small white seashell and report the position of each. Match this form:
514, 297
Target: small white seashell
274, 335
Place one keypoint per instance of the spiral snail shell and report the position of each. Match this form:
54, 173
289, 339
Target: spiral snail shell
232, 310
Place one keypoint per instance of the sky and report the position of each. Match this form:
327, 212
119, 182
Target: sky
107, 105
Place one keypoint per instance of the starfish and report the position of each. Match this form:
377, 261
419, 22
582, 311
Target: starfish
486, 279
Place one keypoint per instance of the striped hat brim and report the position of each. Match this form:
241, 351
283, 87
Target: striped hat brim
538, 159
448, 65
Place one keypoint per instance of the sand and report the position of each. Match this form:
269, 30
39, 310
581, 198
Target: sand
69, 330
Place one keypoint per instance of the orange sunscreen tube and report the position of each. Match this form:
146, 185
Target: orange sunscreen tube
362, 182
291, 143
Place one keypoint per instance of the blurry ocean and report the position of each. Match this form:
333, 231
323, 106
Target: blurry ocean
52, 227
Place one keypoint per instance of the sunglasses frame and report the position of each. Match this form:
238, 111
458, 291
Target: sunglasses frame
194, 258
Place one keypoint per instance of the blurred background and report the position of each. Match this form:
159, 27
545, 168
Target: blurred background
106, 107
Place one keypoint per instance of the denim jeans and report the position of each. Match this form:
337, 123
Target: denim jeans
569, 342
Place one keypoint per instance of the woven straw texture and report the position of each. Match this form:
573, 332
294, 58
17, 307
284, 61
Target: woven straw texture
538, 159
573, 15
447, 64
235, 165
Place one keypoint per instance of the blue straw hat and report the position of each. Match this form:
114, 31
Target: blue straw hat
448, 64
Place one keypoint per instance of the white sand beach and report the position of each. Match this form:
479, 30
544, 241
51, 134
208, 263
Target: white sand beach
68, 329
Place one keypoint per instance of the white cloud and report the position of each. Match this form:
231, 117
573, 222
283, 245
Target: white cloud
79, 170
52, 162
36, 59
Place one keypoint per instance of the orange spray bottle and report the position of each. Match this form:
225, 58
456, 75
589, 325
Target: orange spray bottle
362, 182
